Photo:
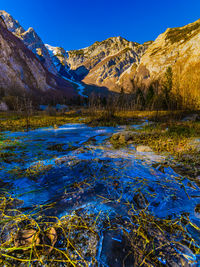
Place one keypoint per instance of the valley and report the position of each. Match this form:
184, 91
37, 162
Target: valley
99, 150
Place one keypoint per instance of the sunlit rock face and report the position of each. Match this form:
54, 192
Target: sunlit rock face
22, 71
116, 62
30, 39
101, 63
104, 62
176, 46
12, 24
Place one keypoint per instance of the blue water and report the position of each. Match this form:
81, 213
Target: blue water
103, 173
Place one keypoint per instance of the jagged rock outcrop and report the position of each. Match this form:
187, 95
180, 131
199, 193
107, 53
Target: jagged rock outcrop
115, 63
100, 64
30, 39
103, 62
11, 24
178, 48
174, 46
59, 58
58, 55
22, 71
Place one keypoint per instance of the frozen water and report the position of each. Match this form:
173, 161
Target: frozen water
76, 167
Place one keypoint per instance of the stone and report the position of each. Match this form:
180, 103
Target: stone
25, 238
122, 137
192, 117
52, 235
143, 149
115, 136
195, 144
3, 106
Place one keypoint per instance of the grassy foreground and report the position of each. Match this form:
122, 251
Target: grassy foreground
13, 122
178, 140
38, 240
167, 132
20, 122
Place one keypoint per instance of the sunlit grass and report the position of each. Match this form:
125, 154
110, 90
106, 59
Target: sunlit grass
94, 117
19, 123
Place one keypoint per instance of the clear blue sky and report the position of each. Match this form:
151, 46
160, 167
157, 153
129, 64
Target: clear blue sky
75, 24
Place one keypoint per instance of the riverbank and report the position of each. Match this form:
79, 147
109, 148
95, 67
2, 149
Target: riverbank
178, 140
21, 122
176, 133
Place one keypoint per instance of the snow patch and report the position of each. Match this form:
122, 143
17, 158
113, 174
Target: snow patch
80, 88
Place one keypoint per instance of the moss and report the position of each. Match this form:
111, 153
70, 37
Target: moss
38, 169
79, 52
170, 138
59, 55
186, 33
155, 51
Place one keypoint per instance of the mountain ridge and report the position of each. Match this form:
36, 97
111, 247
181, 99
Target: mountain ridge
30, 38
117, 63
82, 62
22, 72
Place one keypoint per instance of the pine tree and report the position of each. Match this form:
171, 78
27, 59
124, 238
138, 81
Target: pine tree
140, 99
167, 86
150, 96
121, 100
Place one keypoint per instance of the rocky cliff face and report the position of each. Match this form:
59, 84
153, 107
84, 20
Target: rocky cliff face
171, 48
101, 63
104, 62
22, 71
92, 55
30, 39
116, 62
59, 58
178, 48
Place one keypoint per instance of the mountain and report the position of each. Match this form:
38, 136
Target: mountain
116, 62
178, 48
30, 39
100, 64
59, 58
174, 46
22, 71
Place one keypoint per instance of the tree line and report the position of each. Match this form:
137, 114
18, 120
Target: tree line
165, 94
